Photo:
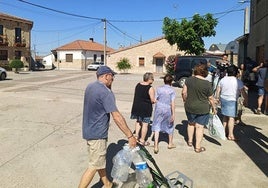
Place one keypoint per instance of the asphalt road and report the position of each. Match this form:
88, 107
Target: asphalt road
41, 144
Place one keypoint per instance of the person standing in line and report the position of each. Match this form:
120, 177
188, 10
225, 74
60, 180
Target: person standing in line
198, 97
248, 76
261, 71
99, 103
228, 91
220, 71
144, 97
222, 65
164, 112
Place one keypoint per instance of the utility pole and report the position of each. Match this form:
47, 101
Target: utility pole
246, 16
105, 42
246, 21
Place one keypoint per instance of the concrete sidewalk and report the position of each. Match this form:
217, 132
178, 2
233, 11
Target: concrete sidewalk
42, 147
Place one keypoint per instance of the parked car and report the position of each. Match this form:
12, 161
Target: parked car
95, 65
184, 66
3, 73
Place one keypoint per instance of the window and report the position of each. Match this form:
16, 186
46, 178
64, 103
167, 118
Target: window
69, 57
95, 57
141, 61
102, 58
17, 35
3, 54
1, 33
17, 54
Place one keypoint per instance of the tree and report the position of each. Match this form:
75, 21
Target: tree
123, 64
188, 34
16, 64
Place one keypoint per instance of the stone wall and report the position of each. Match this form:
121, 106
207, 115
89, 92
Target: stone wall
144, 50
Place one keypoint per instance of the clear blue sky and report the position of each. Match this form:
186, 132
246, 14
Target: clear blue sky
128, 21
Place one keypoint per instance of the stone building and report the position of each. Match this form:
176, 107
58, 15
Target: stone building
258, 37
149, 56
254, 44
15, 39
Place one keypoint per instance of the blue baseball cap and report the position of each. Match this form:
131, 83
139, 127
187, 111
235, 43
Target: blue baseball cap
105, 70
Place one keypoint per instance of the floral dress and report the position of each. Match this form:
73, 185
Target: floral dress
162, 114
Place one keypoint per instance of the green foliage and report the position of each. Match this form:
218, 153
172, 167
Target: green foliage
16, 63
123, 64
5, 66
188, 34
170, 63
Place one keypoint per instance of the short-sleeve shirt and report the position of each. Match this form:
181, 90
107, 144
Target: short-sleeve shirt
99, 102
261, 76
198, 92
230, 88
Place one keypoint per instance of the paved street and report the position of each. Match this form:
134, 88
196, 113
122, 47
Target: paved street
41, 144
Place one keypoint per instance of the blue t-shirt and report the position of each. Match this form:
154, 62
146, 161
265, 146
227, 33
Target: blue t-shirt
261, 76
99, 102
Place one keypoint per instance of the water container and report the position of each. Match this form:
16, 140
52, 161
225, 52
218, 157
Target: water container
143, 175
121, 163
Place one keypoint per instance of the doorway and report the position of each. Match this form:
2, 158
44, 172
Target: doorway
159, 64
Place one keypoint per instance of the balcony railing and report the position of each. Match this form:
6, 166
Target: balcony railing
19, 44
3, 40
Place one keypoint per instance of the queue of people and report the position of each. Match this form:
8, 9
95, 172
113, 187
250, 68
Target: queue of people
199, 101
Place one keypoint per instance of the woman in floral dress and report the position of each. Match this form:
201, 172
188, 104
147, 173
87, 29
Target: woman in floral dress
163, 120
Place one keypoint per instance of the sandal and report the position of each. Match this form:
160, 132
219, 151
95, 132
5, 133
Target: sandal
156, 151
232, 138
171, 147
199, 150
190, 144
145, 143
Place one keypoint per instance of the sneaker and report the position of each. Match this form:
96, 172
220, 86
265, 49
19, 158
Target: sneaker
258, 111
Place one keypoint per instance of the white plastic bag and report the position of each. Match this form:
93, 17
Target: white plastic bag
215, 127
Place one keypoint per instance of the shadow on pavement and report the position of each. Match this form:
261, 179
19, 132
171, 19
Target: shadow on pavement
252, 99
112, 150
182, 128
253, 143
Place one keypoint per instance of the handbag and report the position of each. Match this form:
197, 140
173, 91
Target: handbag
215, 127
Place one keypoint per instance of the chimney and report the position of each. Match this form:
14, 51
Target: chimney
91, 39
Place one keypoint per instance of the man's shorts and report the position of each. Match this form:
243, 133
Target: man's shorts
261, 91
97, 153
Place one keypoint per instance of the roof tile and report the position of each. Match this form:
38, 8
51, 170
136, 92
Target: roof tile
84, 45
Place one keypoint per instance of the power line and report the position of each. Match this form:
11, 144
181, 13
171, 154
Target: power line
224, 13
68, 29
59, 11
139, 21
124, 33
70, 36
231, 10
